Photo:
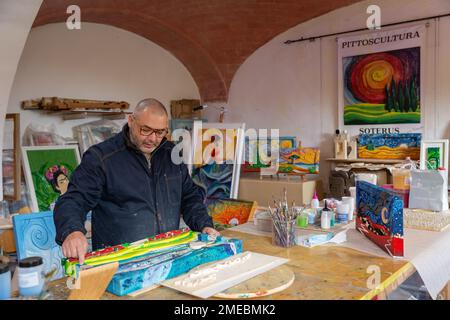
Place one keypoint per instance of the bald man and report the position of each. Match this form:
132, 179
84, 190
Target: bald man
132, 187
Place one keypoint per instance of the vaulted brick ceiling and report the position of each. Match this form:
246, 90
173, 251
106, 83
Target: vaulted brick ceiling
212, 38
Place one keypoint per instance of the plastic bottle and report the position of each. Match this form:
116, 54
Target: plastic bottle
315, 201
5, 281
325, 219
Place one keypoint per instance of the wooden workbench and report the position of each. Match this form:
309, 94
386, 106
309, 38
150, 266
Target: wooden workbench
322, 272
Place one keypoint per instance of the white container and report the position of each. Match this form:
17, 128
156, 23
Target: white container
352, 192
342, 212
351, 202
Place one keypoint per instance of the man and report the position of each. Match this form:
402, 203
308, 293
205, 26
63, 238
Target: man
132, 187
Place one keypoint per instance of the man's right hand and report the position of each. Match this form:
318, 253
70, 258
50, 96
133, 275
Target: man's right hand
75, 246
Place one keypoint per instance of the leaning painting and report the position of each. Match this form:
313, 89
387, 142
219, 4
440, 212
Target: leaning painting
227, 213
218, 149
380, 217
47, 171
299, 161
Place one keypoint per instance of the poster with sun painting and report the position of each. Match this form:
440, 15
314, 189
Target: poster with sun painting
380, 78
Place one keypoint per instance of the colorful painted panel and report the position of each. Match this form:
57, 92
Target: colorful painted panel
35, 236
214, 180
389, 146
433, 157
287, 142
217, 157
380, 217
382, 87
150, 261
299, 161
227, 213
257, 153
48, 170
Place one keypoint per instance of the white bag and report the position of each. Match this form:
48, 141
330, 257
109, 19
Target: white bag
429, 190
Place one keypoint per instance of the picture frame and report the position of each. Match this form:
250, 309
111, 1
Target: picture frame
434, 154
47, 173
216, 187
12, 172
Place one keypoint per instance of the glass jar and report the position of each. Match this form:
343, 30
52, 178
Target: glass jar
31, 276
283, 232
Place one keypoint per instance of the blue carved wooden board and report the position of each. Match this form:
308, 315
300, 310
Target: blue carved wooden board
35, 236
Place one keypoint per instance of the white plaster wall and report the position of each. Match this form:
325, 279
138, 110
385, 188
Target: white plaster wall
294, 87
16, 18
98, 62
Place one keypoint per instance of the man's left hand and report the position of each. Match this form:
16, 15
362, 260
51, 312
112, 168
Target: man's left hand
211, 231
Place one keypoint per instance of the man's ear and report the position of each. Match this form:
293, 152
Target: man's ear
130, 119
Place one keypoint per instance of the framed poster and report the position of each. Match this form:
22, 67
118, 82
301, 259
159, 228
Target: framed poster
11, 157
380, 79
47, 172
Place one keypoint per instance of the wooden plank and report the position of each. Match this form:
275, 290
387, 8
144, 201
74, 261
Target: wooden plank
55, 103
7, 242
93, 282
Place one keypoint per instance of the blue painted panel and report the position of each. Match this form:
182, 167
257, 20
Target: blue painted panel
140, 277
35, 236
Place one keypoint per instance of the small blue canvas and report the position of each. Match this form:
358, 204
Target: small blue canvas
35, 236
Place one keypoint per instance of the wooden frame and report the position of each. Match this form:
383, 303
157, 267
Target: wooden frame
443, 146
13, 143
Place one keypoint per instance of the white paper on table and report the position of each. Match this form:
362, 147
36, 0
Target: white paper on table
427, 251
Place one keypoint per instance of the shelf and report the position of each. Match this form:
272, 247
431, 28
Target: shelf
384, 161
83, 114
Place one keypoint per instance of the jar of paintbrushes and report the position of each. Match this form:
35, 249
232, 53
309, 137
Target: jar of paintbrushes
283, 223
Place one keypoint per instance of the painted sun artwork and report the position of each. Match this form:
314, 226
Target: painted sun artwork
382, 87
227, 213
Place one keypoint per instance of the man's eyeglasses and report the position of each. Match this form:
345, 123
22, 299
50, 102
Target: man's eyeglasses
146, 131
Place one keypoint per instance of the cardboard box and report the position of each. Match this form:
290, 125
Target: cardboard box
263, 190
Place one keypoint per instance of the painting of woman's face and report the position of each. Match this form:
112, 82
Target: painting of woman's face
62, 182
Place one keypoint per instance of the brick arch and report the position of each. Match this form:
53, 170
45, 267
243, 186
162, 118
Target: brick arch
212, 38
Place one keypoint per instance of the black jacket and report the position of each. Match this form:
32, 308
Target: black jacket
130, 198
